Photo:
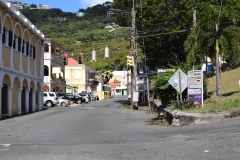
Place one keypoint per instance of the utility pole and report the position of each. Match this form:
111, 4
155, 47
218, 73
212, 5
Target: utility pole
133, 52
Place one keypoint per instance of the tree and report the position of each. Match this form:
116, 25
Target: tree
162, 28
215, 33
106, 76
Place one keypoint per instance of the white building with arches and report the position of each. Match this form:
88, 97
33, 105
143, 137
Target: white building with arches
21, 63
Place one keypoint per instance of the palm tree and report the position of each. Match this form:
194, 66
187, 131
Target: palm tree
216, 33
106, 76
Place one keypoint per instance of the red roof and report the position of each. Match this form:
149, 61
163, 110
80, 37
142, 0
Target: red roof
72, 61
114, 84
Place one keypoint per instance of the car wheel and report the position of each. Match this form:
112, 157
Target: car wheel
64, 104
49, 104
79, 102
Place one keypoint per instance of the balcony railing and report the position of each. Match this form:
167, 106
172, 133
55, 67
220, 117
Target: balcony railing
53, 57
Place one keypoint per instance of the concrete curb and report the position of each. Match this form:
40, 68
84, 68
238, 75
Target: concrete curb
179, 118
183, 118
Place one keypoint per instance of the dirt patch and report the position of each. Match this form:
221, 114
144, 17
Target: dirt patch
145, 108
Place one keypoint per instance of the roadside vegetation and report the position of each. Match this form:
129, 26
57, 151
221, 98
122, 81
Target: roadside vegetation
166, 39
229, 101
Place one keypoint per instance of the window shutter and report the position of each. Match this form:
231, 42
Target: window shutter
3, 35
27, 48
19, 44
10, 38
34, 53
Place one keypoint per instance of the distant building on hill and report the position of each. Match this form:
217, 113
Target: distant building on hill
80, 14
20, 5
42, 6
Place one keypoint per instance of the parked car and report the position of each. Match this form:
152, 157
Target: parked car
69, 95
50, 99
85, 96
61, 95
64, 102
93, 96
77, 99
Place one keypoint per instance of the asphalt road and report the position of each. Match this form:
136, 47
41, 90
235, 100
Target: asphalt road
103, 131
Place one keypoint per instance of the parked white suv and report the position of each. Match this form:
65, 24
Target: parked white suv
50, 99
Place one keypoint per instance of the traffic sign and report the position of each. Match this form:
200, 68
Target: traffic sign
179, 81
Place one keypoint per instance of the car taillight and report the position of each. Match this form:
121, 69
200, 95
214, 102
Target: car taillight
56, 98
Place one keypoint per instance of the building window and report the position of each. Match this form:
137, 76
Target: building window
15, 43
31, 51
23, 47
27, 48
5, 36
77, 75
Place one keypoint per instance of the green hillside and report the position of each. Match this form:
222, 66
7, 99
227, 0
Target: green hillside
89, 30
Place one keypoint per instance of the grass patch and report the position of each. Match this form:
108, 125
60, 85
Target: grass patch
126, 106
161, 122
229, 101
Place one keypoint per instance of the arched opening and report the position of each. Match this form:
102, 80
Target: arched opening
31, 96
15, 98
37, 95
6, 84
46, 70
23, 97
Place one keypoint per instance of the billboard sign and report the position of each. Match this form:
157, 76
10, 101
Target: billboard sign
195, 87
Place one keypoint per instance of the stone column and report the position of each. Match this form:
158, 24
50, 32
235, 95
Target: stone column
19, 101
10, 101
34, 100
40, 100
1, 61
27, 100
11, 57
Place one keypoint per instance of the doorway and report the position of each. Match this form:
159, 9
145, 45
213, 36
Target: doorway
23, 101
30, 100
4, 99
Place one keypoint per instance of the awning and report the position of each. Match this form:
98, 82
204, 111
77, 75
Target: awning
70, 87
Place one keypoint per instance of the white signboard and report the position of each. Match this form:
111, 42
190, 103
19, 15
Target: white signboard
135, 96
179, 81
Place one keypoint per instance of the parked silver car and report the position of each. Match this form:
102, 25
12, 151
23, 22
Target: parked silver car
63, 102
50, 99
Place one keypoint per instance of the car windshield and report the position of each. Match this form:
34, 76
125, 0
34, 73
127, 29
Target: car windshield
61, 95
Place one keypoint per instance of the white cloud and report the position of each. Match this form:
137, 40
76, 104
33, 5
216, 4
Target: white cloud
91, 3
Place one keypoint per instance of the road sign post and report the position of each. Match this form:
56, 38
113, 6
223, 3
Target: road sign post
179, 82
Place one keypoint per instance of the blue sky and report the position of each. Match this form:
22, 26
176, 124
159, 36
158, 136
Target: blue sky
66, 5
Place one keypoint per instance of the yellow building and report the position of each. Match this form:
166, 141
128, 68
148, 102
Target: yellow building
79, 77
21, 63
